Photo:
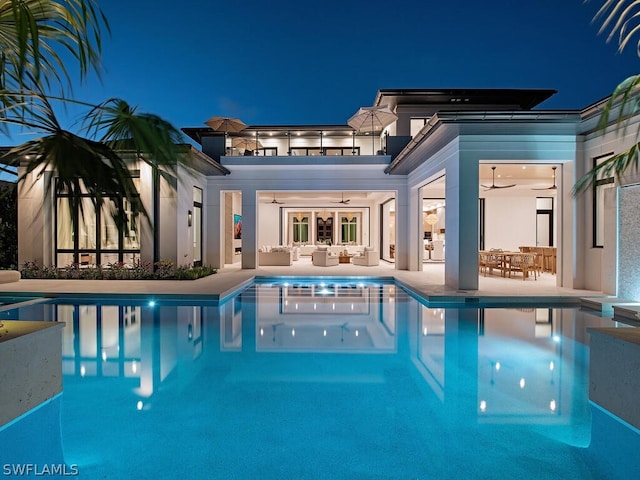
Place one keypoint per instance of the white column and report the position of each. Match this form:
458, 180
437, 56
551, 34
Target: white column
461, 223
214, 229
403, 229
249, 229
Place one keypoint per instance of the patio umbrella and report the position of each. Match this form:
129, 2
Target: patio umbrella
226, 124
372, 119
248, 143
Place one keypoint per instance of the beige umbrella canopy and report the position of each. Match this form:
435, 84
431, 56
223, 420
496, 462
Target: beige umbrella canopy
248, 143
226, 124
372, 119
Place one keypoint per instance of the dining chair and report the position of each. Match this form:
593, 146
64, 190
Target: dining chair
487, 261
549, 254
524, 263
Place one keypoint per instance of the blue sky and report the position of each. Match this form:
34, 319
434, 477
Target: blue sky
308, 62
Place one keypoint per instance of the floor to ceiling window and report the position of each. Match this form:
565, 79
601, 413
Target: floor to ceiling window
349, 229
96, 240
196, 220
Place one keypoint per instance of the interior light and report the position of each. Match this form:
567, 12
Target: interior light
483, 405
497, 366
139, 405
104, 356
522, 383
83, 371
556, 338
552, 405
357, 333
152, 303
262, 332
293, 332
551, 365
324, 333
134, 367
424, 332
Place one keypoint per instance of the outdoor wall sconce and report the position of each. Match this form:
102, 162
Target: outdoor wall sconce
189, 218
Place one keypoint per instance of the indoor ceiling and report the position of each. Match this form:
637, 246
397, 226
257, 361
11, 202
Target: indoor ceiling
526, 177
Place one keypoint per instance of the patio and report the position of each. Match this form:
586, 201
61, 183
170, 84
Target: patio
428, 283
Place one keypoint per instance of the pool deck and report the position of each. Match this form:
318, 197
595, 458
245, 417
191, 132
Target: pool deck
428, 283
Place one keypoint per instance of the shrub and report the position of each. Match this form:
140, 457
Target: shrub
165, 270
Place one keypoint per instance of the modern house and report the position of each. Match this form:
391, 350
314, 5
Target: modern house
455, 172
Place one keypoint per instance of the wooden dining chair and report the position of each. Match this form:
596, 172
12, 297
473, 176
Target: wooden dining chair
549, 257
525, 264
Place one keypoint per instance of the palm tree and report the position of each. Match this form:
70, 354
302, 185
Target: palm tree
34, 35
622, 19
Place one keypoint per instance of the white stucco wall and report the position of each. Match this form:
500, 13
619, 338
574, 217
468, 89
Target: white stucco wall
510, 224
300, 177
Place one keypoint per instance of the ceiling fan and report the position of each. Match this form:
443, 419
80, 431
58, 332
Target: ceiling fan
552, 187
276, 202
343, 201
493, 185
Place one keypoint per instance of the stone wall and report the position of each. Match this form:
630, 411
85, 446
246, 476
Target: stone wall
629, 243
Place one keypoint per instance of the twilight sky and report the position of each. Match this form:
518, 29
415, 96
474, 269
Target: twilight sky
316, 62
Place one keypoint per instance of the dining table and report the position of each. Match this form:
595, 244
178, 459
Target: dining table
504, 258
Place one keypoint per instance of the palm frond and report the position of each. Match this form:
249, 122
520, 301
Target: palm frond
120, 125
624, 102
81, 164
34, 33
616, 166
622, 19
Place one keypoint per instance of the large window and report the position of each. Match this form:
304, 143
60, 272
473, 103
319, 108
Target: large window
300, 228
600, 186
195, 219
89, 236
348, 228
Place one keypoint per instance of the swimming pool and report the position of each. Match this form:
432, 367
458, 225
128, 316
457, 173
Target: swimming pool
313, 378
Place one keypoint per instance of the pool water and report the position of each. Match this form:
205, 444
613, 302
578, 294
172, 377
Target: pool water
317, 379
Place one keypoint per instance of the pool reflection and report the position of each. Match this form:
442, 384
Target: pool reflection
459, 370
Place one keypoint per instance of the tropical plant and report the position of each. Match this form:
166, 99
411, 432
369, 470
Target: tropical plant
36, 39
166, 270
621, 19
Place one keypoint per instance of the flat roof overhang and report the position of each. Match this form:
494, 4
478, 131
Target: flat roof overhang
523, 99
443, 127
